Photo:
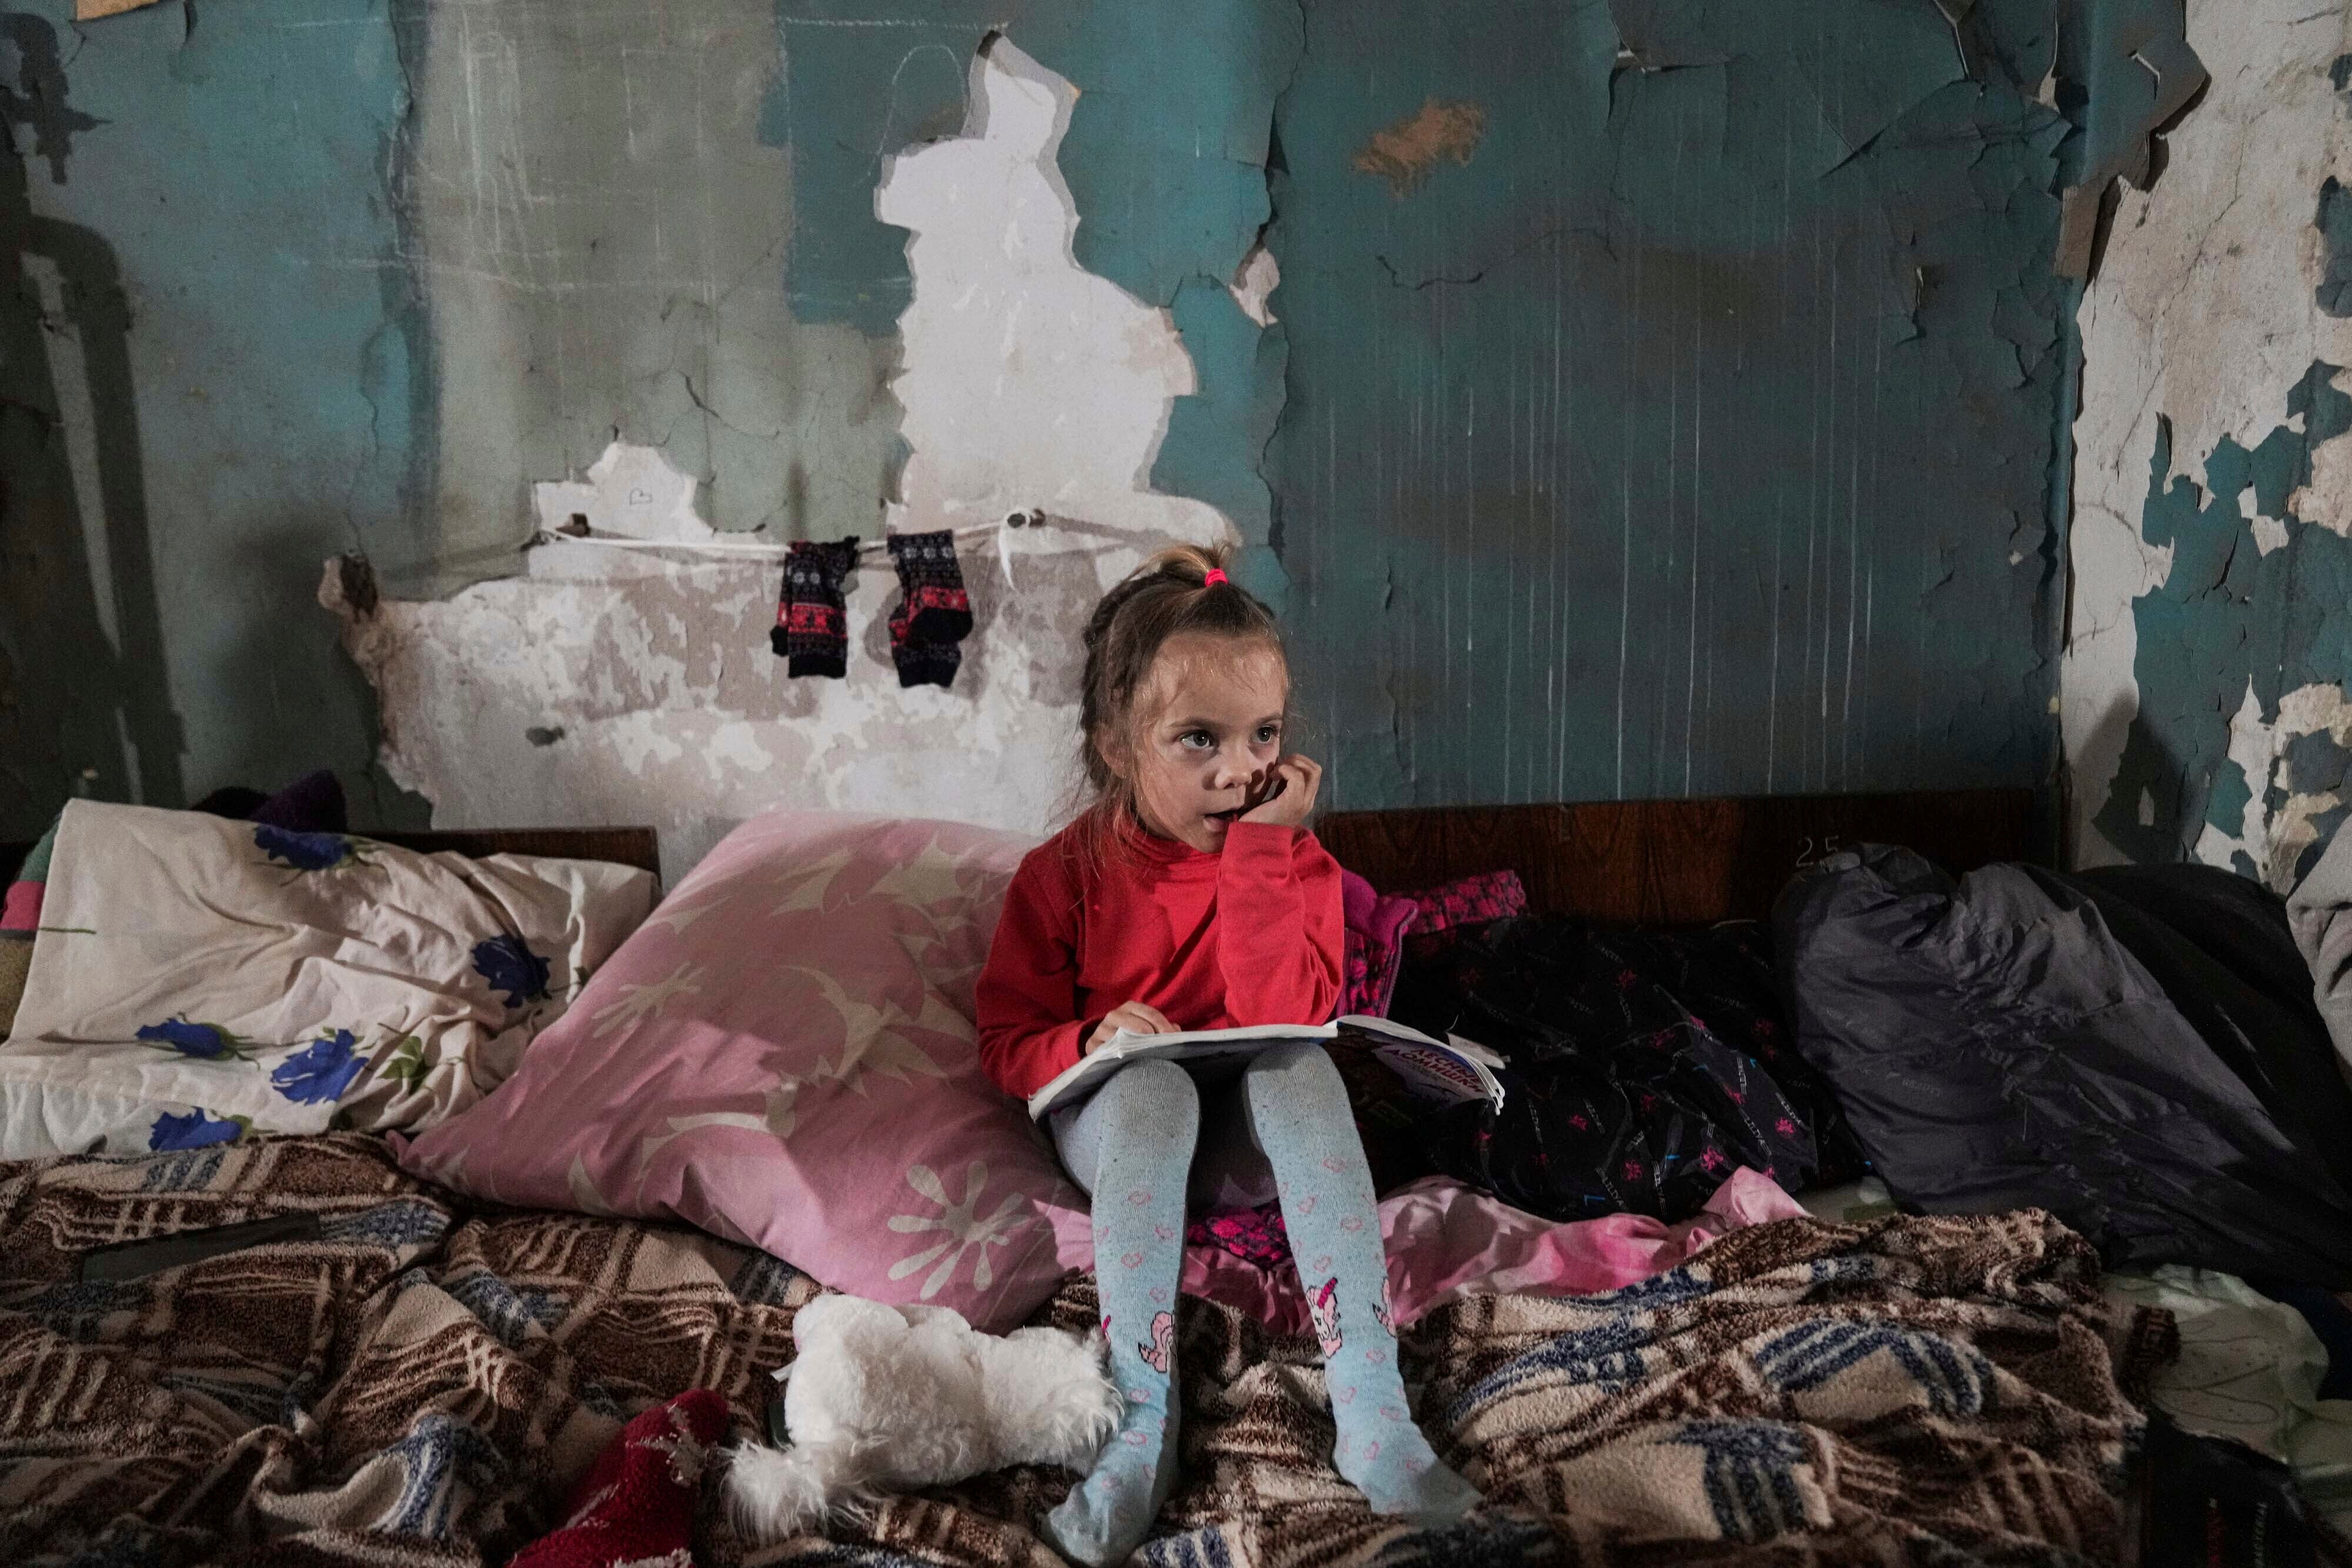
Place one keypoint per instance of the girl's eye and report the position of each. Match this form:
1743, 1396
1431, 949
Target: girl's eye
1198, 740
1268, 734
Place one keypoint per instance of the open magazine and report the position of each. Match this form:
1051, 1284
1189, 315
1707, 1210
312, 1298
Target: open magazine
1426, 1070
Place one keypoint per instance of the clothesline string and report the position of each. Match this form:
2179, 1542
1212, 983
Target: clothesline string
750, 550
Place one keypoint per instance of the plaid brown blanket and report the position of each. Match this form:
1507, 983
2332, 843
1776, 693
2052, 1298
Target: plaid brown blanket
420, 1383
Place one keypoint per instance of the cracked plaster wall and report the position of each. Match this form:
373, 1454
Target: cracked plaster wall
304, 276
1669, 413
1676, 426
371, 273
2204, 687
601, 685
601, 238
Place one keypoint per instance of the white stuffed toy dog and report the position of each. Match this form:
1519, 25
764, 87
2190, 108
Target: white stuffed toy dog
886, 1398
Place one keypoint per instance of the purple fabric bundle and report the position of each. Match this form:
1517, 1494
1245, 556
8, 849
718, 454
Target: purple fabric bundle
1378, 923
311, 804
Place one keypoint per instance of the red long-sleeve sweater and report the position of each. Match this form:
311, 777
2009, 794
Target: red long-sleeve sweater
1250, 935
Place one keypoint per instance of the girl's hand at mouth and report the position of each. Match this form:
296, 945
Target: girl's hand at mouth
1284, 795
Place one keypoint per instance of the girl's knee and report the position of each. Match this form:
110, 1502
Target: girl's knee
1155, 1102
1300, 1064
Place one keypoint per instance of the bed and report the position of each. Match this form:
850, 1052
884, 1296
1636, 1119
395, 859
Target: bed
420, 1381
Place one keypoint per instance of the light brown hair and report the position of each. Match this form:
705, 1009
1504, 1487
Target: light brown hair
1167, 596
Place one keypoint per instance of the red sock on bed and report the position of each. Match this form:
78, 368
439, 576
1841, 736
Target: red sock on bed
636, 1504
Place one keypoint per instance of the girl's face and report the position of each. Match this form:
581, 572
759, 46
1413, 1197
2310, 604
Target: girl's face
1207, 722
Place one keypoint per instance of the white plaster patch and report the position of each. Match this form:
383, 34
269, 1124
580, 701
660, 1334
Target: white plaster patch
2316, 708
1254, 281
2269, 533
736, 745
1029, 385
2326, 500
2275, 842
631, 491
2203, 312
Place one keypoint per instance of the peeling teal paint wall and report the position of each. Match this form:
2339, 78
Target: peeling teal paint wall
1215, 449
2205, 700
2126, 71
2232, 618
374, 268
1683, 425
1692, 432
1694, 435
209, 382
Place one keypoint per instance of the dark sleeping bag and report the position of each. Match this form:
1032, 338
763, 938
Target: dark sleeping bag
2134, 1050
1645, 1066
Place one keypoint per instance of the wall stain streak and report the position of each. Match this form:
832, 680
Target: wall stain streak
1403, 153
604, 240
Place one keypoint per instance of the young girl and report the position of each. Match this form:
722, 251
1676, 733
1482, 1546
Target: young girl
1190, 895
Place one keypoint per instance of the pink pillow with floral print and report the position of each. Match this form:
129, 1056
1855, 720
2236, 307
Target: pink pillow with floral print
784, 1054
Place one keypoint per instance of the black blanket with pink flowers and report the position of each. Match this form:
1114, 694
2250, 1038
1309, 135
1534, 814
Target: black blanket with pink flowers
1645, 1066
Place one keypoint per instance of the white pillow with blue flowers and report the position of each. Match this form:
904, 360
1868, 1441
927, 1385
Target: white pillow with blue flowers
196, 979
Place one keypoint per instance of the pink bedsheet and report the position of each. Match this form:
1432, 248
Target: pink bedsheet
1445, 1240
20, 907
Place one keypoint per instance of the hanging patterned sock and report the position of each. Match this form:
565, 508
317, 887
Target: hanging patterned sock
1131, 1146
812, 617
934, 615
921, 664
1299, 1115
780, 636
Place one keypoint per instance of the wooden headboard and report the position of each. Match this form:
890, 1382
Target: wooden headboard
1673, 862
638, 847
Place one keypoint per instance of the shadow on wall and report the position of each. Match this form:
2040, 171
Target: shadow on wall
81, 638
2113, 732
277, 573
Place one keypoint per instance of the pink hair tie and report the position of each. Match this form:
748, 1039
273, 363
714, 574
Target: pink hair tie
1216, 575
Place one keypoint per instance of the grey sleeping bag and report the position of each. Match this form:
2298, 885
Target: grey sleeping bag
2134, 1050
2320, 911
